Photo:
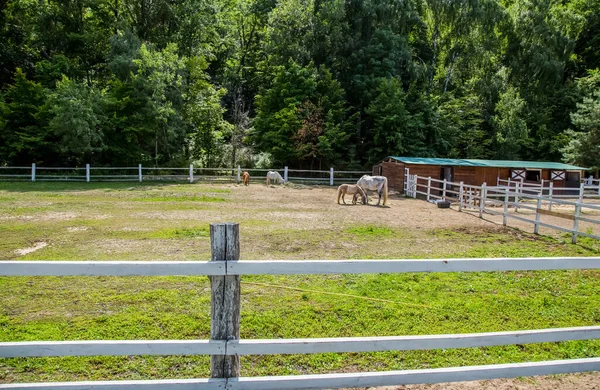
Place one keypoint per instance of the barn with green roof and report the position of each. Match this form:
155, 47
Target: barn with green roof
477, 172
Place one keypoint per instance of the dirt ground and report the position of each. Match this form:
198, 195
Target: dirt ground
584, 381
308, 208
422, 215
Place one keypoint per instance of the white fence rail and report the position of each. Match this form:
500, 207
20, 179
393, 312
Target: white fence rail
514, 195
225, 270
188, 174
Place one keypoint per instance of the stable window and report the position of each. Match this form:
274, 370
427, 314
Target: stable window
517, 174
533, 175
557, 175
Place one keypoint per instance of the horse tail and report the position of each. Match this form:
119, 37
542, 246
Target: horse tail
339, 194
385, 190
363, 195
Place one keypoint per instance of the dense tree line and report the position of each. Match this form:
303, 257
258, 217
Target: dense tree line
305, 83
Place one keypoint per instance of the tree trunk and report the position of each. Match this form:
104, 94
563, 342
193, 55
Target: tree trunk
449, 73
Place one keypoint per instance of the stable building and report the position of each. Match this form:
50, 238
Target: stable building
477, 172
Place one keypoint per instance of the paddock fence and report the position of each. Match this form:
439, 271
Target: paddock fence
526, 202
189, 174
225, 345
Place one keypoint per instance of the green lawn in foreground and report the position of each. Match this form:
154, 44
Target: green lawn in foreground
110, 222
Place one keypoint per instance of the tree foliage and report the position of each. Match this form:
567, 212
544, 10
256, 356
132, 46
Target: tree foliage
306, 83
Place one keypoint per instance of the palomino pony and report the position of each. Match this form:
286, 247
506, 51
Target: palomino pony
275, 176
353, 190
245, 178
375, 183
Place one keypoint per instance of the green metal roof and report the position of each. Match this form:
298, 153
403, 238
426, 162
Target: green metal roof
486, 163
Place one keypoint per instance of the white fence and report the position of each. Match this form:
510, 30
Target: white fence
514, 195
225, 345
189, 174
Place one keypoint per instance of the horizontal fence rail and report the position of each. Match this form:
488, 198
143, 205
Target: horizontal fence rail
290, 267
292, 346
331, 381
225, 345
189, 174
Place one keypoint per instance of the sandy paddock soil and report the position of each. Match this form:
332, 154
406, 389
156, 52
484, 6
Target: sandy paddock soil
311, 211
310, 206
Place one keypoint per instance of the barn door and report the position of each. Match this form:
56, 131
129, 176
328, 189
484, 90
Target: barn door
447, 174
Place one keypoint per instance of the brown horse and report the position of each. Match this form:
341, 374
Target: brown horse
351, 189
245, 178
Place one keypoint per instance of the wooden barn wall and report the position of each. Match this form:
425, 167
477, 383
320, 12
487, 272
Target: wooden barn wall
433, 171
466, 175
394, 171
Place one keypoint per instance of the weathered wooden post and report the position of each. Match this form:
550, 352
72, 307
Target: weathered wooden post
505, 214
191, 173
482, 196
285, 174
225, 298
576, 222
550, 191
239, 174
536, 228
33, 172
140, 172
331, 176
581, 191
87, 173
460, 196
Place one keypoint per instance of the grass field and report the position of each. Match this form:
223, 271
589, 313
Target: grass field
95, 221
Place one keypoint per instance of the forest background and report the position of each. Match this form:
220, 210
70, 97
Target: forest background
303, 83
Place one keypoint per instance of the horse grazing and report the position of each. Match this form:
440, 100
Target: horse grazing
275, 176
375, 183
353, 190
245, 178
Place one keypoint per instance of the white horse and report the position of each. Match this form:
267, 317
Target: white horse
375, 183
275, 176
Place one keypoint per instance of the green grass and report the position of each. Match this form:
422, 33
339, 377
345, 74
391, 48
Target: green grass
109, 222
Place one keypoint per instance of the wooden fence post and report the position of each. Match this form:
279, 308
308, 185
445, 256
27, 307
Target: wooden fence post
225, 299
285, 174
536, 227
33, 172
191, 173
87, 173
550, 191
581, 191
576, 222
482, 196
505, 214
331, 176
140, 172
517, 196
428, 188
239, 174
444, 191
460, 196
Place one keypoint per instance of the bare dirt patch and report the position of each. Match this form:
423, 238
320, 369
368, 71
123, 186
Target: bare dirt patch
35, 247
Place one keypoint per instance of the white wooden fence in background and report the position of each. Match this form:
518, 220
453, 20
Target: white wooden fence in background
225, 345
514, 195
191, 174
